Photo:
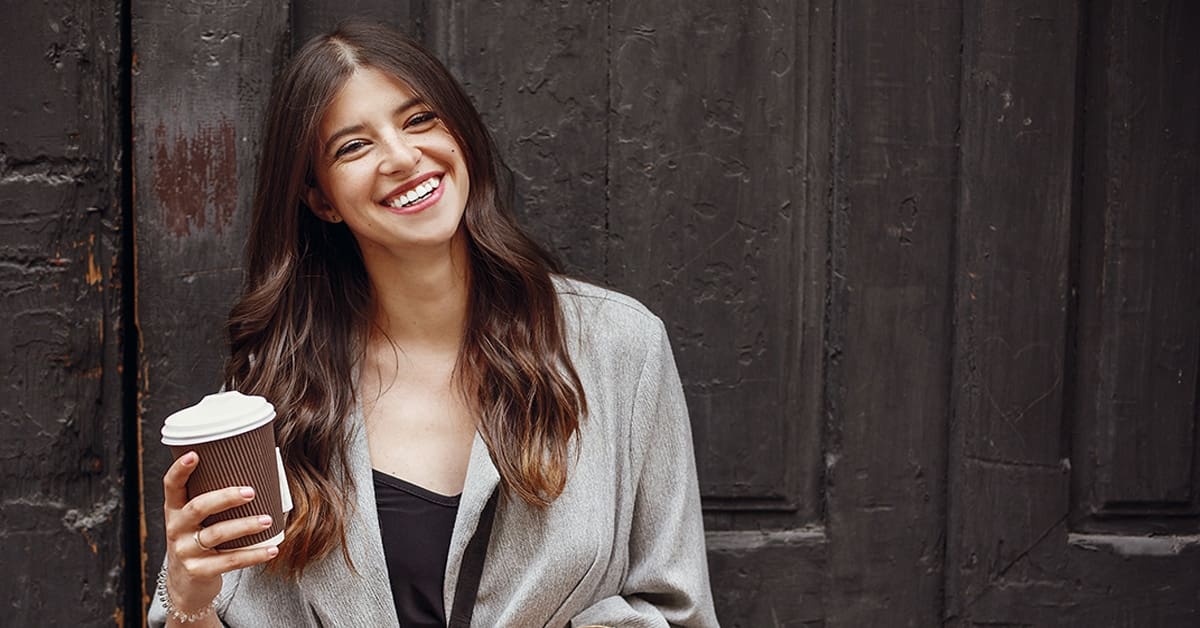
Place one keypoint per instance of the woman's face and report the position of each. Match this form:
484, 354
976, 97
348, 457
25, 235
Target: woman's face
388, 167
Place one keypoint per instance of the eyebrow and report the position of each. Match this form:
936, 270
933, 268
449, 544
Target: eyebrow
357, 128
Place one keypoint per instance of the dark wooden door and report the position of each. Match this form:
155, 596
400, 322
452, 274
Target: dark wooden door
929, 269
1073, 475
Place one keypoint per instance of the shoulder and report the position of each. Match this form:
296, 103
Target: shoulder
598, 312
611, 336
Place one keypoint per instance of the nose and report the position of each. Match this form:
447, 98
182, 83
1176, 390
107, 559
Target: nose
400, 155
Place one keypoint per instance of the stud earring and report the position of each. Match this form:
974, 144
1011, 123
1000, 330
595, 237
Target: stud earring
335, 218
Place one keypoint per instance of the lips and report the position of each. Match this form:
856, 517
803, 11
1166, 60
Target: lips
414, 194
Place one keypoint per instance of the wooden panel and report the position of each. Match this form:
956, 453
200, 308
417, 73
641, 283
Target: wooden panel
707, 152
1012, 558
1072, 589
62, 511
1008, 478
769, 578
890, 328
200, 82
1139, 270
536, 72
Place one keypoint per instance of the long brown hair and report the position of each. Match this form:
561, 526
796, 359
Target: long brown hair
301, 322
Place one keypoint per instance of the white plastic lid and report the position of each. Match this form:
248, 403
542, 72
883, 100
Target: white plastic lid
217, 416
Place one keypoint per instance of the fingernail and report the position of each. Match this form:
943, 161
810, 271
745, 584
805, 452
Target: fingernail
247, 492
264, 521
271, 551
189, 459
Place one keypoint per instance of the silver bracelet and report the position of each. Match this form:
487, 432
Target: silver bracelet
178, 614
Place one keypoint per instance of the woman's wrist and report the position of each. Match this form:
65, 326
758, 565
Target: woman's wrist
181, 610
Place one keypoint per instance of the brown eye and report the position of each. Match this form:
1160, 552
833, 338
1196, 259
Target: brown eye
422, 121
349, 147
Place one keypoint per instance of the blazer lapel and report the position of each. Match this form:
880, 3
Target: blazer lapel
338, 595
482, 478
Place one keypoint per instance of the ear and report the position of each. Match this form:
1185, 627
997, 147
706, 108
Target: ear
320, 205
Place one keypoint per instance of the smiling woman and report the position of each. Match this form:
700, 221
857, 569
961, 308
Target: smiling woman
383, 148
470, 438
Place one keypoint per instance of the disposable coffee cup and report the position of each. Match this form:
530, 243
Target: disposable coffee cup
235, 439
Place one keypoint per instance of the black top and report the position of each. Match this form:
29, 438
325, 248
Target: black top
416, 525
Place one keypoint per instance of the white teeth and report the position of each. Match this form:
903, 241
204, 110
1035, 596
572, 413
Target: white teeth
421, 191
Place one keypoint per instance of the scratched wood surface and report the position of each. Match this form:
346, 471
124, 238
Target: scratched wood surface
62, 459
1053, 500
707, 223
890, 340
1139, 283
1007, 477
200, 84
548, 108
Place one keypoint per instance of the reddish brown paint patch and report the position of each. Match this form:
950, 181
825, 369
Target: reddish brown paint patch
195, 178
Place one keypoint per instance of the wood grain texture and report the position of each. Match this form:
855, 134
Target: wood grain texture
537, 73
201, 79
890, 328
1139, 280
706, 155
1013, 557
1009, 480
769, 578
61, 459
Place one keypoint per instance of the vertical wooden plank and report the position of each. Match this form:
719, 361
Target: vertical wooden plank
61, 458
1012, 556
718, 148
1009, 478
704, 211
536, 73
1139, 269
890, 327
201, 78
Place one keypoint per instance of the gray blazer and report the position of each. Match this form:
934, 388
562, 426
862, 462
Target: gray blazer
622, 546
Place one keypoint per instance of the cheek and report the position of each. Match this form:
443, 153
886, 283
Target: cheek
345, 182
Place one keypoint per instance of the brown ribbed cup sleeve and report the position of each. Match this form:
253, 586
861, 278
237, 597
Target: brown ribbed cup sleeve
244, 460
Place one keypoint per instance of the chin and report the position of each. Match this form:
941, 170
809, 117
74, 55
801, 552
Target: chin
436, 240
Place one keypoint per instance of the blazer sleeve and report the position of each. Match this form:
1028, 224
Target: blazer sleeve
667, 581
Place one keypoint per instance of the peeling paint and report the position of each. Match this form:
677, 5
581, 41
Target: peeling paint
100, 513
94, 276
195, 177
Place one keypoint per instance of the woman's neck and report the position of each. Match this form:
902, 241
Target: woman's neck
420, 301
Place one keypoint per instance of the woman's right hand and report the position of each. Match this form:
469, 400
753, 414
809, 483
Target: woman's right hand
193, 568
